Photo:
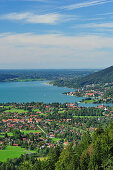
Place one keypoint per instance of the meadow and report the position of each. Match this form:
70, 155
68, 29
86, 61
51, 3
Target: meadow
16, 111
12, 152
87, 116
36, 110
55, 139
9, 134
31, 131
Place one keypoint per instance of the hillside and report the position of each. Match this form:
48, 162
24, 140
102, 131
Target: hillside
100, 77
103, 76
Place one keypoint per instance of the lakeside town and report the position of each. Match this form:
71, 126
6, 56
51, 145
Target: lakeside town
94, 93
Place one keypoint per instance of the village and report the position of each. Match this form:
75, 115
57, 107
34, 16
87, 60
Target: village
94, 93
38, 126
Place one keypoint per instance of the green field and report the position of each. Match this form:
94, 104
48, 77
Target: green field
89, 101
16, 111
25, 80
60, 111
7, 107
36, 110
23, 131
55, 139
30, 131
9, 134
12, 152
88, 116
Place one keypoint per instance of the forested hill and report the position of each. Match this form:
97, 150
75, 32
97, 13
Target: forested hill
103, 76
100, 77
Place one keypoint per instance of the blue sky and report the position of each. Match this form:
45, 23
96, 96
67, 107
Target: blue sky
56, 34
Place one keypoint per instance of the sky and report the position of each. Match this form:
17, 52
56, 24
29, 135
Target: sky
55, 34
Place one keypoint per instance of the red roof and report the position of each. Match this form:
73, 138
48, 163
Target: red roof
15, 144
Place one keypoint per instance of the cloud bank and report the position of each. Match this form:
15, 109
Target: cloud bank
54, 51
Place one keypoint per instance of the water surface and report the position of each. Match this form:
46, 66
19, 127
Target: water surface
37, 91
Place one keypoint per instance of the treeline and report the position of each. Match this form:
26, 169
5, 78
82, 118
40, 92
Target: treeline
5, 77
94, 152
42, 74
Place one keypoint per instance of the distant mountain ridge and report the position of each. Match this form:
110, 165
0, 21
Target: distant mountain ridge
100, 77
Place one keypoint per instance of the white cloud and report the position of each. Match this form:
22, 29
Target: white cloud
92, 19
32, 18
97, 25
51, 18
104, 25
104, 14
85, 4
54, 51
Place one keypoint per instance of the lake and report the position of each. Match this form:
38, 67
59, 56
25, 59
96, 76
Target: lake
37, 91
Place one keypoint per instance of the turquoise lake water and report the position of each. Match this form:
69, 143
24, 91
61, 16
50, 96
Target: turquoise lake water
36, 91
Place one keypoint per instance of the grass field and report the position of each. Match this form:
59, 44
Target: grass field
12, 152
16, 111
36, 110
55, 139
60, 111
25, 80
9, 134
24, 131
89, 101
31, 131
7, 107
87, 116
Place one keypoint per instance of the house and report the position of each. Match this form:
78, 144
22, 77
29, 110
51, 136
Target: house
66, 143
100, 106
90, 94
15, 144
52, 136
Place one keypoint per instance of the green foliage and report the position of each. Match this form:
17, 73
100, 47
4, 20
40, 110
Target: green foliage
109, 93
66, 160
94, 152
